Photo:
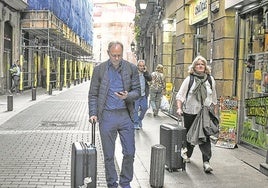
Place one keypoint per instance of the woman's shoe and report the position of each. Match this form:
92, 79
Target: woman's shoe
155, 113
207, 167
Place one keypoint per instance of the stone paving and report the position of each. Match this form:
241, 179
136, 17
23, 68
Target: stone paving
36, 139
35, 149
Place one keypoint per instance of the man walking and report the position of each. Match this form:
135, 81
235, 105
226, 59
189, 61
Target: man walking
141, 105
114, 87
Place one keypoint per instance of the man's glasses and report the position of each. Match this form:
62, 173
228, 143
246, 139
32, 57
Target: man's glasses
115, 56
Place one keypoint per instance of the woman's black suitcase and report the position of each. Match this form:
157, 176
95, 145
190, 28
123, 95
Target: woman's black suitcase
84, 163
173, 137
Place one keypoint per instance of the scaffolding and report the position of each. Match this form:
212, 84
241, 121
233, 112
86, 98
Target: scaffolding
51, 51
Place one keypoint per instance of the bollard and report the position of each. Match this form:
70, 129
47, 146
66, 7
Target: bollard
75, 82
9, 102
267, 157
33, 93
264, 166
50, 89
68, 84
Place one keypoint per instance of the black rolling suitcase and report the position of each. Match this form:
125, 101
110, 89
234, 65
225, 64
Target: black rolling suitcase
84, 163
173, 137
157, 168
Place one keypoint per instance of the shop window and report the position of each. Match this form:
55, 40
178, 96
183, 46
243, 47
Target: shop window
255, 125
257, 75
257, 59
200, 40
258, 42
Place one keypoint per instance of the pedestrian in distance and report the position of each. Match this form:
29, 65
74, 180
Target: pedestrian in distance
53, 78
43, 77
190, 100
115, 85
141, 104
15, 75
157, 88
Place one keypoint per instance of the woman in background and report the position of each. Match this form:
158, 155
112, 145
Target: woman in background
157, 88
190, 102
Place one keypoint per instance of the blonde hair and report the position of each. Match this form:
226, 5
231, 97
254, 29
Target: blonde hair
159, 68
199, 57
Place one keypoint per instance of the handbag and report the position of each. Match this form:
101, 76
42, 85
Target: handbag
212, 127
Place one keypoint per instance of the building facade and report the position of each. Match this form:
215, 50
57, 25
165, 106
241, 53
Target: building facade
10, 39
49, 40
113, 20
231, 35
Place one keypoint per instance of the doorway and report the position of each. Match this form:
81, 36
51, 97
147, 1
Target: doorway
7, 56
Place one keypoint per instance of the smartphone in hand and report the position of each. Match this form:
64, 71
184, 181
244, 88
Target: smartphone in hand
144, 69
120, 92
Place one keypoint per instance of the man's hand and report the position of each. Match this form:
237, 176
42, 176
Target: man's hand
122, 94
93, 119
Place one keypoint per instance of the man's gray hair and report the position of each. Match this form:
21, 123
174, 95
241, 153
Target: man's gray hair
112, 43
141, 60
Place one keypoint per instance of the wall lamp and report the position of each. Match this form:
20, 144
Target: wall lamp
143, 6
132, 45
215, 7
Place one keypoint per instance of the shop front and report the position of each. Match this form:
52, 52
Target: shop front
253, 28
10, 39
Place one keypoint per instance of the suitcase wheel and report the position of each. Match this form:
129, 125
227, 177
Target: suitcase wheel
170, 169
183, 166
156, 186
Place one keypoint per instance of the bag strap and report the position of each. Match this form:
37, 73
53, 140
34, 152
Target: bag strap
190, 84
192, 81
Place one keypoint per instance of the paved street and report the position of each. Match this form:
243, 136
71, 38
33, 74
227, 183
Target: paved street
36, 142
36, 138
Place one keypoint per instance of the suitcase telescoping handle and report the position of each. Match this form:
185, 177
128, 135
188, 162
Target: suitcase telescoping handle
93, 132
181, 121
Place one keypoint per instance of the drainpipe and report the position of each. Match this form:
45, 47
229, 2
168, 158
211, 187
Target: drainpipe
212, 32
212, 42
236, 52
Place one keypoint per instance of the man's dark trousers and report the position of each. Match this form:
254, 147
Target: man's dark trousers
113, 122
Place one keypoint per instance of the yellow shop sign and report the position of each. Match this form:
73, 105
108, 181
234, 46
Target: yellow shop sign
198, 11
